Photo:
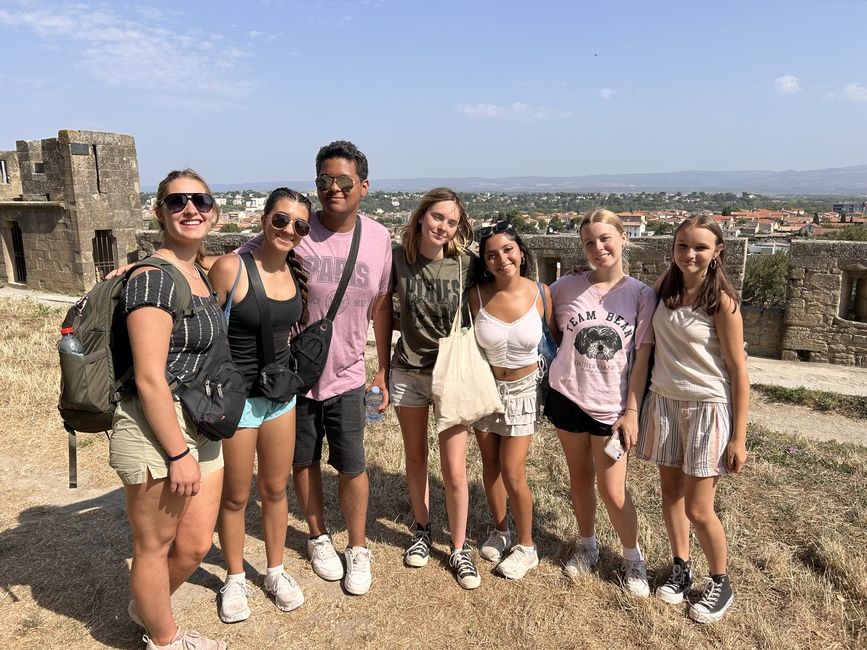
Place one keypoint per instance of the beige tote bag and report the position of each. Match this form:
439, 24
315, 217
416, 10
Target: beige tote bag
462, 384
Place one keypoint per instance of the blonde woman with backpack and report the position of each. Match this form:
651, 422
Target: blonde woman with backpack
172, 475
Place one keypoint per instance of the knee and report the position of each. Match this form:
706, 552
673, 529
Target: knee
416, 463
671, 492
699, 515
514, 476
193, 548
613, 494
271, 490
234, 500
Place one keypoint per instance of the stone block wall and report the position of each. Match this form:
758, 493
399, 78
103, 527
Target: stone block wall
815, 326
11, 190
763, 331
645, 258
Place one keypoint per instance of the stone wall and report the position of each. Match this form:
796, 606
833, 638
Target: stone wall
815, 326
763, 331
645, 258
71, 187
12, 188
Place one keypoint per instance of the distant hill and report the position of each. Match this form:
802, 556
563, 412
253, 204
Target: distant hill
840, 181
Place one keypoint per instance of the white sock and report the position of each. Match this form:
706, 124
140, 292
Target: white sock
589, 542
632, 554
274, 571
529, 549
235, 577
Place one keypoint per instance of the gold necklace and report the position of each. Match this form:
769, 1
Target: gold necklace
177, 264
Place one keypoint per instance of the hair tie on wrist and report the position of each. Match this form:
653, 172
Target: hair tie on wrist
631, 409
172, 459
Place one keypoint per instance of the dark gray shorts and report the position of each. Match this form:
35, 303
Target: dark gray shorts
340, 420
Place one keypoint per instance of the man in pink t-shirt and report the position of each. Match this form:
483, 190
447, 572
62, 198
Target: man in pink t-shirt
334, 408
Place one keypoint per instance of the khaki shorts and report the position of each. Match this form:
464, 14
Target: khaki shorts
134, 450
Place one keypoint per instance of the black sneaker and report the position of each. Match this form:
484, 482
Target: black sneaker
466, 573
418, 552
678, 582
715, 600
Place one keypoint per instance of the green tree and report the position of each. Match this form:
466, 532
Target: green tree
660, 227
556, 224
766, 280
153, 224
727, 211
852, 232
230, 228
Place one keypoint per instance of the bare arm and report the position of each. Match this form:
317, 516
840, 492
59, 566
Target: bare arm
730, 329
150, 330
222, 274
628, 420
382, 328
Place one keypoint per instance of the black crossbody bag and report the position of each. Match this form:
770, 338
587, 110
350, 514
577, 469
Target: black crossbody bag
310, 347
278, 382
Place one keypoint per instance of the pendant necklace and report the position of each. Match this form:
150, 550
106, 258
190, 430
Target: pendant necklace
430, 282
177, 264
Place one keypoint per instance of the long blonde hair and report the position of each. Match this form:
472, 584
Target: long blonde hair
411, 232
601, 215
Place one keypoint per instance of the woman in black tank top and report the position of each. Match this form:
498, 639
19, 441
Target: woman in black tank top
267, 428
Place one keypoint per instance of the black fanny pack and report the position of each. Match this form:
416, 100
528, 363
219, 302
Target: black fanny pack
214, 397
309, 349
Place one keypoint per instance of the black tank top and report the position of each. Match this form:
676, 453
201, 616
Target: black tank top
244, 333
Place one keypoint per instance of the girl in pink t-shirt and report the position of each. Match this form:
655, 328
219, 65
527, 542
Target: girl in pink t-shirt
597, 382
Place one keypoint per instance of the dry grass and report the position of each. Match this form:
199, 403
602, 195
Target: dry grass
795, 520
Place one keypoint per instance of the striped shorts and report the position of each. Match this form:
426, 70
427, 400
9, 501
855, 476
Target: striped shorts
689, 435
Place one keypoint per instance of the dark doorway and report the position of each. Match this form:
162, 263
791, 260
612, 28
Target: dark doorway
18, 266
104, 253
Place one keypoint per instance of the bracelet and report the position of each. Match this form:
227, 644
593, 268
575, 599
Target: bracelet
631, 409
186, 451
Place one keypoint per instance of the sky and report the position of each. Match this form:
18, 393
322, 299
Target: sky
249, 91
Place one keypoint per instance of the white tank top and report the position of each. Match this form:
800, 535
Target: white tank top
509, 345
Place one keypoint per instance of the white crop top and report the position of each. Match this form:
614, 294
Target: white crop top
509, 345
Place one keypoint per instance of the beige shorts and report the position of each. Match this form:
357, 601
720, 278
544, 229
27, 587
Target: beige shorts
134, 450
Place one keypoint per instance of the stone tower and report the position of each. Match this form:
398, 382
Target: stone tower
69, 209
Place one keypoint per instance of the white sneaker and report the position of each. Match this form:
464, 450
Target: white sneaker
287, 594
518, 562
233, 602
326, 564
358, 577
187, 640
495, 547
582, 560
635, 578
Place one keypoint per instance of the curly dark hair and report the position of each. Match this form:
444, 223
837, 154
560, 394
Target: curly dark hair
343, 149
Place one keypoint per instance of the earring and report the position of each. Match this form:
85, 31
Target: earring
713, 264
487, 274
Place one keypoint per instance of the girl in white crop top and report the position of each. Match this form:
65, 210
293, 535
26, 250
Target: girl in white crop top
507, 310
694, 420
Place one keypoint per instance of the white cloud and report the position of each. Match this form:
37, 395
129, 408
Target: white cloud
855, 92
607, 93
788, 84
151, 55
516, 111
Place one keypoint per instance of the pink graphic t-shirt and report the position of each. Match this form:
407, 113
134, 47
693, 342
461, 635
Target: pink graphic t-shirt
600, 333
323, 254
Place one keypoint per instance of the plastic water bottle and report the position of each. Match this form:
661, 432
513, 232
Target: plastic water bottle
69, 343
372, 402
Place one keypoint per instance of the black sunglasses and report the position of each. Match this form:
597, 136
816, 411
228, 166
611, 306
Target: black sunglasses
497, 228
177, 201
280, 220
324, 182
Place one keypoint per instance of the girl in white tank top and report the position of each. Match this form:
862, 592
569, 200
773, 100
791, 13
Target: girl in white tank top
508, 312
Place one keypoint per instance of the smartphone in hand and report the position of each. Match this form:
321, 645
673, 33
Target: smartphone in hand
614, 446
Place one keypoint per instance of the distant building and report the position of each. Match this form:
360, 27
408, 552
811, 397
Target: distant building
69, 209
850, 208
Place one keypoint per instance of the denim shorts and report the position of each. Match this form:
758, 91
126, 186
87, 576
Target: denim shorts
134, 450
261, 409
340, 420
411, 388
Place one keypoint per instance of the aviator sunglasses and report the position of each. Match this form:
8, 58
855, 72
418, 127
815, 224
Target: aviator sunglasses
324, 182
496, 229
177, 201
280, 220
